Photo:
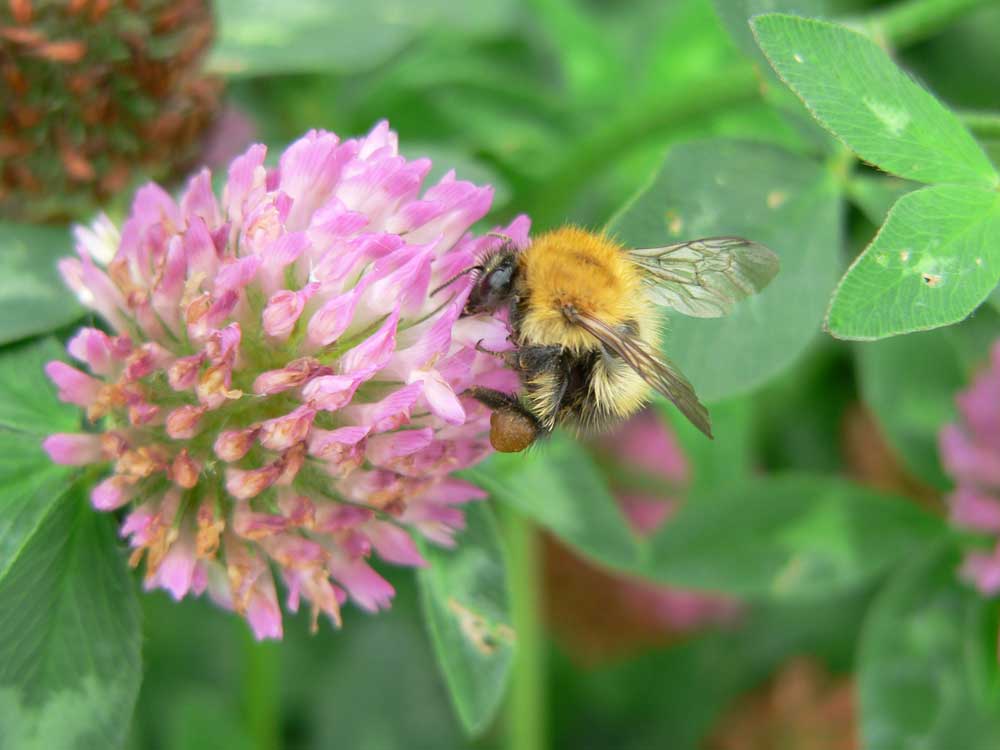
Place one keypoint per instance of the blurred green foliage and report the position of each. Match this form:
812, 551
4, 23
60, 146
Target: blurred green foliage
660, 119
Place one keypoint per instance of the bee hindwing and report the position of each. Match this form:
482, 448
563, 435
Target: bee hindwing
662, 375
705, 278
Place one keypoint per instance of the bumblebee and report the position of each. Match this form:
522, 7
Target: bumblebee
586, 330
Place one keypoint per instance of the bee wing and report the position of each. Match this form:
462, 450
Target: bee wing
705, 278
661, 374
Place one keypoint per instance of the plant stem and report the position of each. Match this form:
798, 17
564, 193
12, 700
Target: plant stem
261, 701
526, 705
914, 20
983, 124
632, 128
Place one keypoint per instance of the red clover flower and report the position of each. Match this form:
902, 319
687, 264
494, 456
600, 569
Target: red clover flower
278, 389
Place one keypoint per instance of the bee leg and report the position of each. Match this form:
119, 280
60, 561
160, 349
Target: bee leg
484, 350
510, 357
512, 427
496, 400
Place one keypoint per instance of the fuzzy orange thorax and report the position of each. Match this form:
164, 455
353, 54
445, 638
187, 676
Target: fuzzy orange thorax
591, 272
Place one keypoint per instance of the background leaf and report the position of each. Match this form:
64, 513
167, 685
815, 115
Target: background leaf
854, 89
786, 536
766, 194
466, 608
902, 380
735, 16
33, 298
875, 195
932, 263
914, 667
699, 678
259, 37
69, 634
559, 487
31, 486
69, 637
28, 400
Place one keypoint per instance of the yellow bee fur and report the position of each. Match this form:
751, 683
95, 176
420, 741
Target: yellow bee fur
591, 272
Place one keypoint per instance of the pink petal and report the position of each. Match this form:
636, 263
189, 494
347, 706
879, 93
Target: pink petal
236, 274
333, 517
140, 524
281, 433
245, 484
232, 445
198, 201
97, 350
251, 525
332, 443
440, 396
406, 286
334, 316
246, 178
309, 169
223, 345
451, 491
146, 359
183, 373
975, 509
95, 290
177, 571
983, 570
74, 386
968, 460
373, 353
425, 343
199, 249
330, 392
391, 412
366, 587
333, 219
283, 310
293, 375
394, 544
278, 257
263, 613
112, 493
384, 448
73, 449
459, 205
182, 422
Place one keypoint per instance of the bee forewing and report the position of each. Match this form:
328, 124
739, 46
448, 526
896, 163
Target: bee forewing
661, 374
705, 278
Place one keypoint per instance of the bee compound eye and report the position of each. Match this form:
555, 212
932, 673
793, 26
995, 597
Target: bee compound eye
511, 431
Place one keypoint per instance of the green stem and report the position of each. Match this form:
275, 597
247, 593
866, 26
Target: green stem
631, 128
261, 700
983, 124
526, 709
912, 21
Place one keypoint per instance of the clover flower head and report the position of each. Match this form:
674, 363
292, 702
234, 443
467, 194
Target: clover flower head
646, 444
279, 390
95, 93
970, 450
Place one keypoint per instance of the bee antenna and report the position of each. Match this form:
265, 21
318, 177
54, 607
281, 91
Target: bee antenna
456, 277
506, 238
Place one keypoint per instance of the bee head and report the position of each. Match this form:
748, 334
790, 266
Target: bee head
494, 284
